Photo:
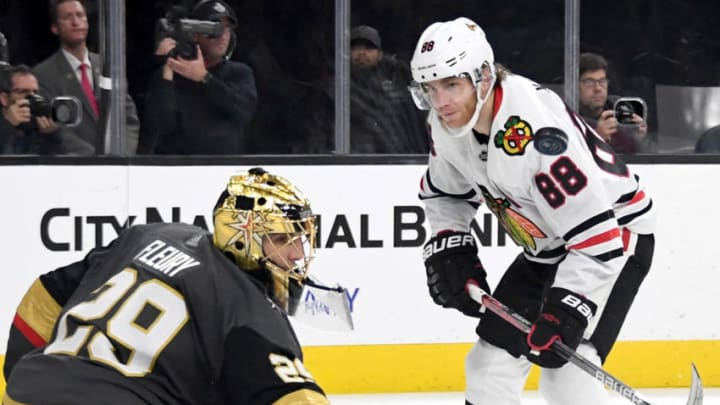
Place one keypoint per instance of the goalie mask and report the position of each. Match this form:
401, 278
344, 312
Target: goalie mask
456, 48
264, 224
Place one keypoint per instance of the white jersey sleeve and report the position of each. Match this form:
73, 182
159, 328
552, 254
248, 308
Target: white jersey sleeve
450, 200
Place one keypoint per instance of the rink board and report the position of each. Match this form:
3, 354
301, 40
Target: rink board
370, 241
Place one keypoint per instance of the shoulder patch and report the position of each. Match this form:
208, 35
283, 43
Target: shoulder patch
515, 136
550, 141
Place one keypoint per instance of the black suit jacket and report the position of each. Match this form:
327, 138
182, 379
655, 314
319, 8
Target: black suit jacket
56, 78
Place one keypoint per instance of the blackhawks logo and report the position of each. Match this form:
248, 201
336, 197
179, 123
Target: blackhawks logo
522, 231
515, 137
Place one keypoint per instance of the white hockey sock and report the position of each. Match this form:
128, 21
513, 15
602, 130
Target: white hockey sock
494, 377
569, 385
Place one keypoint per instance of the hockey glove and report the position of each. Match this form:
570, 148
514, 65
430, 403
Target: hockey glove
450, 261
565, 315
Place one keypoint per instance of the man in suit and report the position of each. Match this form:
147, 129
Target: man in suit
74, 71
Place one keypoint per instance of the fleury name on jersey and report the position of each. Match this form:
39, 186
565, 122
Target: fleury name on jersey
166, 259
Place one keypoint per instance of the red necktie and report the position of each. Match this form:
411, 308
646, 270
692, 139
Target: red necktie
87, 88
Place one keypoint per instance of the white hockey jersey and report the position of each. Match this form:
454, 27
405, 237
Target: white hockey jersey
555, 186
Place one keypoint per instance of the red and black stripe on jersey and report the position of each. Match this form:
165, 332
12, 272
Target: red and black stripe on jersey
597, 234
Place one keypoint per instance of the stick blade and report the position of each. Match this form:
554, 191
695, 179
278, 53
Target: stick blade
696, 388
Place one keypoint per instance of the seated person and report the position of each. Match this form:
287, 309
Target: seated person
383, 117
21, 131
596, 107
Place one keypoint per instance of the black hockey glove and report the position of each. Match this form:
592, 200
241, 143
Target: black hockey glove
450, 261
565, 315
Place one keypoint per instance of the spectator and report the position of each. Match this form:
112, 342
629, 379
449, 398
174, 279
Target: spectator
596, 107
201, 105
74, 71
383, 116
20, 133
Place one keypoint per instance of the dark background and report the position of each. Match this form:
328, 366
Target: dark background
289, 44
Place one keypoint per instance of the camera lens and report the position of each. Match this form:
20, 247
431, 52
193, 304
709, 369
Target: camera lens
62, 113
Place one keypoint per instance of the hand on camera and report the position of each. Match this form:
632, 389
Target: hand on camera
193, 69
165, 46
18, 112
46, 125
641, 124
606, 125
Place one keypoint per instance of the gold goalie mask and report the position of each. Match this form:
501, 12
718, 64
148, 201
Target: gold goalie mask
265, 225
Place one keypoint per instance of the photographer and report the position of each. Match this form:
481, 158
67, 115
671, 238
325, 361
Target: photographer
199, 104
74, 71
22, 130
625, 134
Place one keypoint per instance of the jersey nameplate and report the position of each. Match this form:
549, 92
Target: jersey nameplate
165, 258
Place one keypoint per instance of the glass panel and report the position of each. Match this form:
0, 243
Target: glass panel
68, 120
527, 37
665, 52
289, 47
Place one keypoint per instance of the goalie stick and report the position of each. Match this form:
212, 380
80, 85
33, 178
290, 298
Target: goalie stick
516, 320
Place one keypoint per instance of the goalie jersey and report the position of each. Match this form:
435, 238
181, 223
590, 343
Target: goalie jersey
553, 184
158, 317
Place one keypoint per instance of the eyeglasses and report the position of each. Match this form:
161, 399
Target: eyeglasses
24, 92
589, 83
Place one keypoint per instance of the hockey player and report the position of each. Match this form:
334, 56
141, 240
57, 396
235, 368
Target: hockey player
171, 314
579, 213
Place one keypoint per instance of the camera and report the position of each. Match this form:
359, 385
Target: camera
625, 107
65, 111
175, 25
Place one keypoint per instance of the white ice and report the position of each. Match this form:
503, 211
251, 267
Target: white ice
654, 396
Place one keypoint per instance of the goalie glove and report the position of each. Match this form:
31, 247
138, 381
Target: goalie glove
450, 261
565, 315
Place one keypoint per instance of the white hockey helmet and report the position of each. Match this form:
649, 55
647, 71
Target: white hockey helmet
451, 49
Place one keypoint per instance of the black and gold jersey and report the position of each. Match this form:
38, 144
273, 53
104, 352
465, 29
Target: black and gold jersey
159, 316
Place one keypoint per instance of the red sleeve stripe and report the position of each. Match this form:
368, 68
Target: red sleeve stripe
33, 337
639, 196
626, 239
597, 239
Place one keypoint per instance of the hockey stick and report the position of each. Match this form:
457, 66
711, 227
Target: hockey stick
517, 320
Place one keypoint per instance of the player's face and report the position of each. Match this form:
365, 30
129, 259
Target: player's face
454, 98
282, 251
594, 89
